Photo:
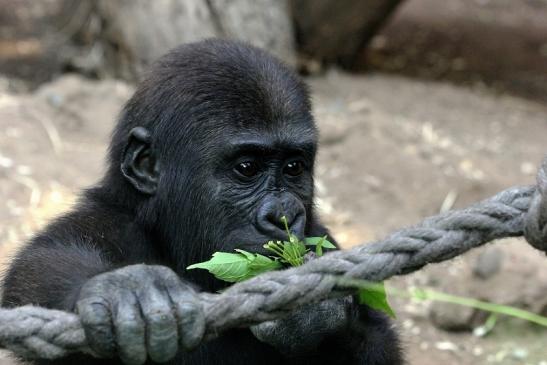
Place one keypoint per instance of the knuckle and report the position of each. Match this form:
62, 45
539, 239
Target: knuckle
190, 308
159, 317
129, 325
93, 310
133, 268
164, 270
165, 274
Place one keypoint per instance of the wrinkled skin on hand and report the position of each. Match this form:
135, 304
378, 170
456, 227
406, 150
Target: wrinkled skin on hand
305, 328
139, 312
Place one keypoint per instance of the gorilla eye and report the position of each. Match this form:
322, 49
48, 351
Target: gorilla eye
293, 168
247, 168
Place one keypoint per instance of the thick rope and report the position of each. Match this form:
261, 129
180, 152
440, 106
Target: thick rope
34, 332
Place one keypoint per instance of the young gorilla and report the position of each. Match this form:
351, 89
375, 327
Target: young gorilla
213, 148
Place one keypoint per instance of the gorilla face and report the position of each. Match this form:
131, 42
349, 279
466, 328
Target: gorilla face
260, 178
222, 155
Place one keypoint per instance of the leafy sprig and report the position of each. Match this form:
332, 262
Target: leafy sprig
243, 265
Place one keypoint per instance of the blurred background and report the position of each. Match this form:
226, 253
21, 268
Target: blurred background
423, 106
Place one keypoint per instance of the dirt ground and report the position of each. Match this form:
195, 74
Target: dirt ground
393, 150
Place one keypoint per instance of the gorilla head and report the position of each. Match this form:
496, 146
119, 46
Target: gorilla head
218, 144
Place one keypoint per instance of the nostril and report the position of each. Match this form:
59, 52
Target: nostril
269, 220
275, 220
298, 225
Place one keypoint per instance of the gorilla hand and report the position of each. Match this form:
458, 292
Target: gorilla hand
303, 330
139, 311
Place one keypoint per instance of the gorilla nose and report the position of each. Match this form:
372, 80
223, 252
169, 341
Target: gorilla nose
270, 213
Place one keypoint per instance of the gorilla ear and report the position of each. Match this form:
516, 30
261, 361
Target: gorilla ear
139, 164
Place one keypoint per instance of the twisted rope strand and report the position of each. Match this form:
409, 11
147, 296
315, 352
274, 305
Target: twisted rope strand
34, 332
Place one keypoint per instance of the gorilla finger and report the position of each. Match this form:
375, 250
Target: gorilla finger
265, 330
130, 331
161, 325
190, 315
95, 316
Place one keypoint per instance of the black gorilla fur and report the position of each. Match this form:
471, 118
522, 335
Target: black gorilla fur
213, 148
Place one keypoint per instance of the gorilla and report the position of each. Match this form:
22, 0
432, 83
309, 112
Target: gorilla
215, 146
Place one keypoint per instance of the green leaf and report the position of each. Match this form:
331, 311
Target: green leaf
230, 267
262, 264
313, 241
375, 297
235, 267
319, 243
247, 254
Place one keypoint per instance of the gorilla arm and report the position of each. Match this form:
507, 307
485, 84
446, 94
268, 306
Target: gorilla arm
133, 312
50, 274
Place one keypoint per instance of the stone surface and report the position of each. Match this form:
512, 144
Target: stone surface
488, 263
451, 317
